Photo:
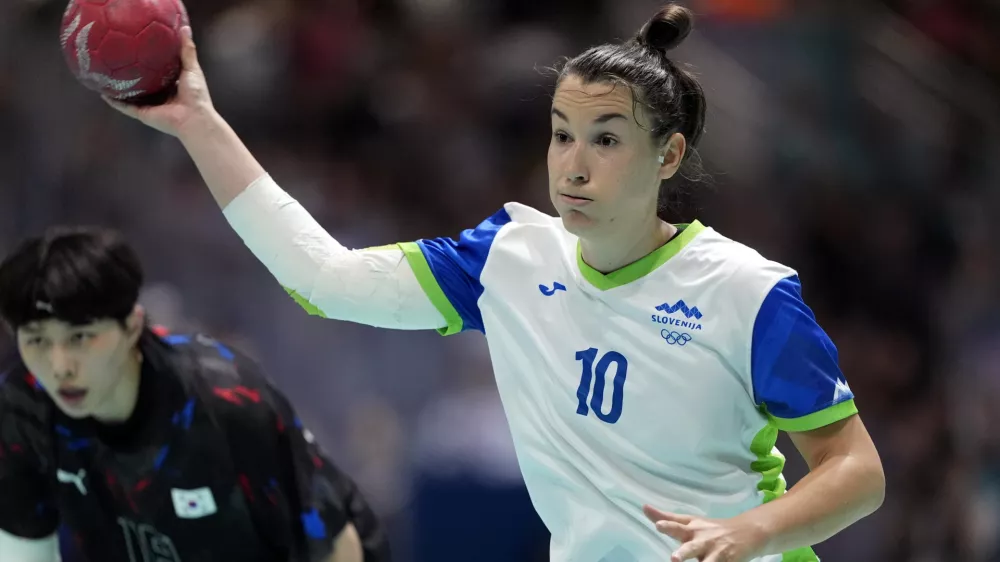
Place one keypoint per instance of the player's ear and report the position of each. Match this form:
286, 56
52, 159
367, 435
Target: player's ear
671, 156
134, 324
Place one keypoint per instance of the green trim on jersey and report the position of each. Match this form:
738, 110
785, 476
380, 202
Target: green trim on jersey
382, 248
769, 461
804, 554
422, 270
311, 308
638, 269
818, 419
769, 464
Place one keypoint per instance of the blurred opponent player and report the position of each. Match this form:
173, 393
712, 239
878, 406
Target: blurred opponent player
640, 363
146, 448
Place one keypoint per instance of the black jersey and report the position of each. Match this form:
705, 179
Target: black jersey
213, 465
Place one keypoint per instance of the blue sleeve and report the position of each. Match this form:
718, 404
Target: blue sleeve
449, 270
793, 362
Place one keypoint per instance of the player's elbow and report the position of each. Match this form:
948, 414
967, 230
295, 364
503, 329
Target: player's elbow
347, 546
870, 478
876, 475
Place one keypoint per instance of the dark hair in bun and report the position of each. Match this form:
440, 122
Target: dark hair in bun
670, 95
667, 29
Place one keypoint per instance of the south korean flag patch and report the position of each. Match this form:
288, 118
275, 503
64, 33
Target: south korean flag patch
193, 504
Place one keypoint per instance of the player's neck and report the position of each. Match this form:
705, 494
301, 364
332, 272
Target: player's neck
610, 253
119, 407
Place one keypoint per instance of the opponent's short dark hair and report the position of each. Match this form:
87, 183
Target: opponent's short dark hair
670, 95
74, 274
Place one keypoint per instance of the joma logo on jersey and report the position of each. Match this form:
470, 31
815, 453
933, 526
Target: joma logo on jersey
681, 307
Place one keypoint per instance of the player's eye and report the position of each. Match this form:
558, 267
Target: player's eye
80, 337
560, 137
33, 341
607, 141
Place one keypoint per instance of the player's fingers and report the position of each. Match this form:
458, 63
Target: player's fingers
689, 551
655, 515
675, 530
189, 51
125, 108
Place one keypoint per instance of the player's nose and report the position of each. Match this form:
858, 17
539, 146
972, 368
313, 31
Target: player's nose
63, 364
575, 171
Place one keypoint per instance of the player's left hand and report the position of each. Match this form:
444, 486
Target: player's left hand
191, 103
709, 540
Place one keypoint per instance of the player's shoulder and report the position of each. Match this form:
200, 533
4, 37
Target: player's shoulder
25, 417
529, 224
205, 357
523, 215
528, 239
22, 395
741, 270
225, 378
16, 383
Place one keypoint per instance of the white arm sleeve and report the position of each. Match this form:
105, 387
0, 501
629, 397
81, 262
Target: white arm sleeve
376, 287
17, 549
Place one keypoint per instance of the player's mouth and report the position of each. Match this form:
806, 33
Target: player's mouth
72, 396
574, 200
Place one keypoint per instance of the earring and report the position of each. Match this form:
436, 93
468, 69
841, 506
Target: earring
662, 158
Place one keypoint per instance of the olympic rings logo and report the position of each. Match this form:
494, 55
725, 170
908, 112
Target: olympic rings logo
675, 338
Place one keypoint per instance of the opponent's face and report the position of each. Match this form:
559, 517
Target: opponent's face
604, 168
79, 365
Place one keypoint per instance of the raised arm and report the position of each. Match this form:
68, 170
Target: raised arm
374, 287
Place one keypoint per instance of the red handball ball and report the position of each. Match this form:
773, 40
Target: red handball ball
124, 49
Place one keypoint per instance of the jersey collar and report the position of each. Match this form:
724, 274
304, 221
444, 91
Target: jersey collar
642, 267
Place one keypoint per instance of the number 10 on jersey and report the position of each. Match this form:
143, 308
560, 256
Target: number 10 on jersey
597, 375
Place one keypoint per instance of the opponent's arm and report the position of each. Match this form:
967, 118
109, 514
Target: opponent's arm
19, 549
334, 514
312, 508
27, 523
373, 287
28, 520
347, 546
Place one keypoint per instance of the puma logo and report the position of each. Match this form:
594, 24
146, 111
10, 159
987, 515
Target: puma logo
75, 479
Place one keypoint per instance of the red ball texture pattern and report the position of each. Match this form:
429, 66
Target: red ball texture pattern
124, 49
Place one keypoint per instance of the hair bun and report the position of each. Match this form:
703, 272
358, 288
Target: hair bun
667, 29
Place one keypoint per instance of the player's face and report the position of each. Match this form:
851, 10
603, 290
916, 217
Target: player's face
604, 168
80, 366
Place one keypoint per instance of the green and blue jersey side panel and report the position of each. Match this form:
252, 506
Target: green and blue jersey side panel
450, 271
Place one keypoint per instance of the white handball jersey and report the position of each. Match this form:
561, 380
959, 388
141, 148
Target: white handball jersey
664, 382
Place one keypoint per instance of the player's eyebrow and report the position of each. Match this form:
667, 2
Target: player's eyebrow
600, 119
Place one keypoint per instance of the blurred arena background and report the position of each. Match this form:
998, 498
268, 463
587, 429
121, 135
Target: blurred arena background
857, 141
